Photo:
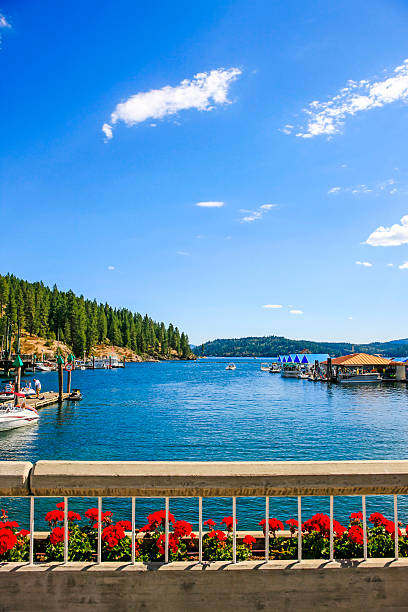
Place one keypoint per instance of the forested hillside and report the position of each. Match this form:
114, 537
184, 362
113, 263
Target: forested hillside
270, 346
82, 323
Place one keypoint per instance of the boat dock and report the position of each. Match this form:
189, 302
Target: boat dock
46, 399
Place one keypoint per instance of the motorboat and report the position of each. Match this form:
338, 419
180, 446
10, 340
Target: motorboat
115, 363
231, 366
75, 395
275, 368
41, 366
265, 367
363, 377
28, 391
290, 370
17, 416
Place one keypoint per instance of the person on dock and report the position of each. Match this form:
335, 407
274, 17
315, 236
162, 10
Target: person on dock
37, 386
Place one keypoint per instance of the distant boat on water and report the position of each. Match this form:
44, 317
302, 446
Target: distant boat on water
231, 366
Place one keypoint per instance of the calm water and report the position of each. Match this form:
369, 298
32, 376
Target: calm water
199, 411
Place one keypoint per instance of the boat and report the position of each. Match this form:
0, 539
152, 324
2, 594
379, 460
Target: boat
75, 395
275, 368
12, 417
40, 366
265, 367
364, 377
231, 366
290, 370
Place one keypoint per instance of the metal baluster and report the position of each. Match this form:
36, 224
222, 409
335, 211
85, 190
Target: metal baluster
99, 530
65, 529
166, 533
396, 527
133, 548
331, 529
299, 528
31, 554
267, 528
200, 529
363, 500
234, 529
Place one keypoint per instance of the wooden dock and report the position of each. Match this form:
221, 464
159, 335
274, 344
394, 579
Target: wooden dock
46, 399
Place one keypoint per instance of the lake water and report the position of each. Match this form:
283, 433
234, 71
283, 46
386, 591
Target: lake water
199, 411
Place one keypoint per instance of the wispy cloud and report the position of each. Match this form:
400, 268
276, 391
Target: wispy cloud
272, 306
210, 204
3, 22
203, 92
182, 253
388, 187
390, 265
296, 312
395, 235
404, 266
366, 264
328, 118
254, 215
111, 267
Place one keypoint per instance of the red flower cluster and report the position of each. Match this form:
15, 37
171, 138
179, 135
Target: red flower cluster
92, 515
378, 519
112, 534
228, 521
321, 523
57, 535
293, 525
355, 534
220, 535
210, 523
182, 529
8, 540
57, 516
274, 525
356, 516
126, 525
249, 540
159, 518
390, 528
173, 543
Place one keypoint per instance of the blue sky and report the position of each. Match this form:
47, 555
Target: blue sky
304, 192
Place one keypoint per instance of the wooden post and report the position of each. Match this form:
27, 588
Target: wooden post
60, 362
124, 361
70, 360
93, 362
18, 364
110, 362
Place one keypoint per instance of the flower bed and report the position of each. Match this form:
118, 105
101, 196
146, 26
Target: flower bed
183, 543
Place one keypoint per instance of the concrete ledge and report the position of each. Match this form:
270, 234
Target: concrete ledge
218, 479
374, 585
14, 477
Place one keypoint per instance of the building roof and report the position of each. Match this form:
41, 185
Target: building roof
361, 359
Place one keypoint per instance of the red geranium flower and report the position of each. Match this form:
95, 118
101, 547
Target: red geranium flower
274, 525
92, 515
147, 528
338, 528
112, 534
57, 535
228, 520
390, 528
126, 525
210, 523
11, 525
378, 519
220, 535
356, 516
173, 543
8, 540
249, 540
355, 534
23, 533
54, 516
159, 518
293, 525
182, 528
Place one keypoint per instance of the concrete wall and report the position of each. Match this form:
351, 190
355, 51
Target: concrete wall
277, 586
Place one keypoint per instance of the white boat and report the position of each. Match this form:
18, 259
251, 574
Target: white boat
275, 368
290, 370
42, 367
265, 367
231, 366
364, 377
16, 416
115, 363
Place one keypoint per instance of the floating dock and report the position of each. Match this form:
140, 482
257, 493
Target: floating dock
46, 399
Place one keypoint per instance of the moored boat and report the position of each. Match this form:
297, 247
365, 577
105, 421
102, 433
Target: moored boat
265, 367
231, 366
12, 417
364, 377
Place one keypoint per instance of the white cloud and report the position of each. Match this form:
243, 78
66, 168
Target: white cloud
390, 265
203, 92
111, 267
296, 312
390, 236
334, 190
366, 264
404, 266
210, 204
183, 253
272, 306
107, 130
287, 129
254, 215
328, 117
3, 22
350, 318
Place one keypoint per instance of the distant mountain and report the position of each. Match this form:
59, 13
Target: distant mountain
269, 346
